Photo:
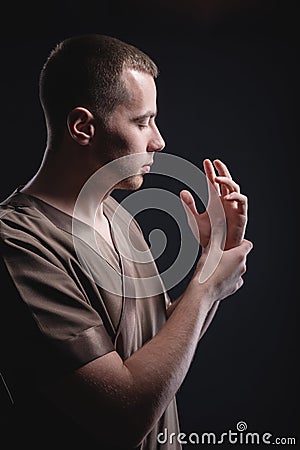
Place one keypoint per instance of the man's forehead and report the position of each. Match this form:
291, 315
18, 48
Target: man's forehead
136, 76
138, 83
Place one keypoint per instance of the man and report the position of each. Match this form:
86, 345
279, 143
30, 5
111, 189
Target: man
88, 363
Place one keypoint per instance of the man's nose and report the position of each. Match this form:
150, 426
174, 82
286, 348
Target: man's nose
157, 144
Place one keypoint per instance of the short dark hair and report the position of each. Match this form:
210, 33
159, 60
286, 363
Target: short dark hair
86, 71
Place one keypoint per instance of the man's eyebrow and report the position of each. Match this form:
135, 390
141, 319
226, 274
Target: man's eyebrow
147, 115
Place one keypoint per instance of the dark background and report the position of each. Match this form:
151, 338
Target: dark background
228, 88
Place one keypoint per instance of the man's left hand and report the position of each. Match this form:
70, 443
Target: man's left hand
234, 203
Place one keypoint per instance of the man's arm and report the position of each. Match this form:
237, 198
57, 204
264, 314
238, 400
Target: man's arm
173, 305
120, 401
209, 317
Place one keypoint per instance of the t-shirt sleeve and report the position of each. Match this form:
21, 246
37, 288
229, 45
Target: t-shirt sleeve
52, 300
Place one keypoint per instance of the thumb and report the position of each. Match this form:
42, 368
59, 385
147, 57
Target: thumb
191, 212
242, 249
248, 245
188, 201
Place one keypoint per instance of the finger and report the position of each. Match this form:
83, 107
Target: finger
242, 249
189, 201
222, 168
242, 201
225, 189
229, 183
222, 171
248, 245
211, 175
190, 209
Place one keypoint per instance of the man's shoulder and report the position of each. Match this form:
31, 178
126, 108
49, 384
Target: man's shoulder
18, 217
8, 210
6, 204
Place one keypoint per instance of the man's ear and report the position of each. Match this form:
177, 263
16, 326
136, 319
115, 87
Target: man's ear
81, 125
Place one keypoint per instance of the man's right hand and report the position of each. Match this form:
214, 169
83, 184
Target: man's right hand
227, 277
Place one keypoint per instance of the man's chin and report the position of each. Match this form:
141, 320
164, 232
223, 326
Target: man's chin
131, 183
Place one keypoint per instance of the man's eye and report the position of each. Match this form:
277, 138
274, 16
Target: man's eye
142, 125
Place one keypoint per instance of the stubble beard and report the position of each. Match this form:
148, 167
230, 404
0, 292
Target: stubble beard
132, 183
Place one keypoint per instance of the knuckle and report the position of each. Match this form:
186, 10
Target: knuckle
244, 268
241, 258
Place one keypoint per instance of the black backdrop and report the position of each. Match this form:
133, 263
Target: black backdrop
227, 88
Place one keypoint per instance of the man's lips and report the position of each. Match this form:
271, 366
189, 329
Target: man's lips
146, 167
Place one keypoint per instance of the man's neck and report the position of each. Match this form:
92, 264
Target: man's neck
59, 182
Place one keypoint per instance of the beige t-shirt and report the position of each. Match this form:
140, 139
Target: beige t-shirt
67, 303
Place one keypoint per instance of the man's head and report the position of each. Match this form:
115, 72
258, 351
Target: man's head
99, 98
87, 71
